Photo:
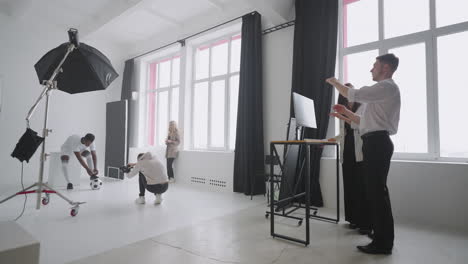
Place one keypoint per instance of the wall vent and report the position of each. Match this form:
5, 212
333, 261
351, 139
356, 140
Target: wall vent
212, 183
198, 180
218, 183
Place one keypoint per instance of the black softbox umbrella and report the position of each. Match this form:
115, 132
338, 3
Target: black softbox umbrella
86, 69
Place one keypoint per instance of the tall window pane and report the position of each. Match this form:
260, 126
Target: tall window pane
151, 117
411, 79
163, 103
202, 60
164, 74
453, 94
234, 96
357, 68
151, 104
217, 113
175, 105
175, 71
200, 115
360, 21
401, 18
450, 12
219, 58
235, 54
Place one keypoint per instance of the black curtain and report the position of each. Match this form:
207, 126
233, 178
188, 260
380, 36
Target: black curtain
127, 89
315, 40
249, 169
127, 81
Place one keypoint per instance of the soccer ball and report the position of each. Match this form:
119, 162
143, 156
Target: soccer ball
95, 184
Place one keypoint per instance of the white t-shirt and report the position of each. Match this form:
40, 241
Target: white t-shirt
73, 144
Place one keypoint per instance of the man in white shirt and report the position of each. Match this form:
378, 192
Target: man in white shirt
76, 145
152, 176
379, 120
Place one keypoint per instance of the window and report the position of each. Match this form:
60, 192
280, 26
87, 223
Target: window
162, 98
215, 87
359, 28
452, 54
411, 79
401, 18
431, 44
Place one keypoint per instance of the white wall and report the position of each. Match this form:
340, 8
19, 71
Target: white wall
432, 194
24, 41
277, 75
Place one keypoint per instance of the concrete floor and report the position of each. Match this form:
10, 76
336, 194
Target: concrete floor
111, 219
243, 237
200, 226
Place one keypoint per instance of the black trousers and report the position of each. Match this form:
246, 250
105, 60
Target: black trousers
378, 151
356, 205
152, 188
170, 170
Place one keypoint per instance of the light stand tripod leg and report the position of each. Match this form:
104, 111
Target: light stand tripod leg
61, 195
13, 195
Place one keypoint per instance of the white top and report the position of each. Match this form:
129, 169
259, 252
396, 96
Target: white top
152, 168
383, 106
357, 137
73, 144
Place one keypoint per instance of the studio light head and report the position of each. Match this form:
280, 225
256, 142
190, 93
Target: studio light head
73, 37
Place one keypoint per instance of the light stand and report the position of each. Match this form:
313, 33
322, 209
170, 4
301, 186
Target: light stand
42, 187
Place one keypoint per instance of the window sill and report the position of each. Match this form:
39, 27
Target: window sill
457, 162
208, 151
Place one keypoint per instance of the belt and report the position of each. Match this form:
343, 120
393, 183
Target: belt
375, 133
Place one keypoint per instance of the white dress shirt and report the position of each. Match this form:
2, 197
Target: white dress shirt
383, 106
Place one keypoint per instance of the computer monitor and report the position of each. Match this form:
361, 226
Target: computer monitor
304, 111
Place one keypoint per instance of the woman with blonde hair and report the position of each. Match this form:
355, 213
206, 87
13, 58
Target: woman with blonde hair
172, 149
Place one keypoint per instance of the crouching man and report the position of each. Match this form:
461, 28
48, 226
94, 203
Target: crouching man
152, 176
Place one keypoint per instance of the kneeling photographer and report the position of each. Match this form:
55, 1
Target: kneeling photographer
152, 176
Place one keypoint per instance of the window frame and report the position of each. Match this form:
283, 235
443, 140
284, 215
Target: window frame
158, 60
429, 38
226, 77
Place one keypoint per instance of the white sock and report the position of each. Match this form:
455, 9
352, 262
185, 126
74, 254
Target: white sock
89, 161
65, 170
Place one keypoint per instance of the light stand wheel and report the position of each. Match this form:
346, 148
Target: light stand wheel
74, 211
45, 201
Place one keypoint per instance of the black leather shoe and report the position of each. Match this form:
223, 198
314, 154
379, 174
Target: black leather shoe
70, 186
372, 249
93, 177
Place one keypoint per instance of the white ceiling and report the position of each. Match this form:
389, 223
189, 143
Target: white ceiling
130, 21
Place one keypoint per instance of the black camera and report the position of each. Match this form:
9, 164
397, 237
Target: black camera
126, 168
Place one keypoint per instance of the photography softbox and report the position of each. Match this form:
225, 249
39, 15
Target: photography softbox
27, 145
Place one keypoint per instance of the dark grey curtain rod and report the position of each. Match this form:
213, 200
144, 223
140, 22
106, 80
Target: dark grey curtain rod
182, 41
